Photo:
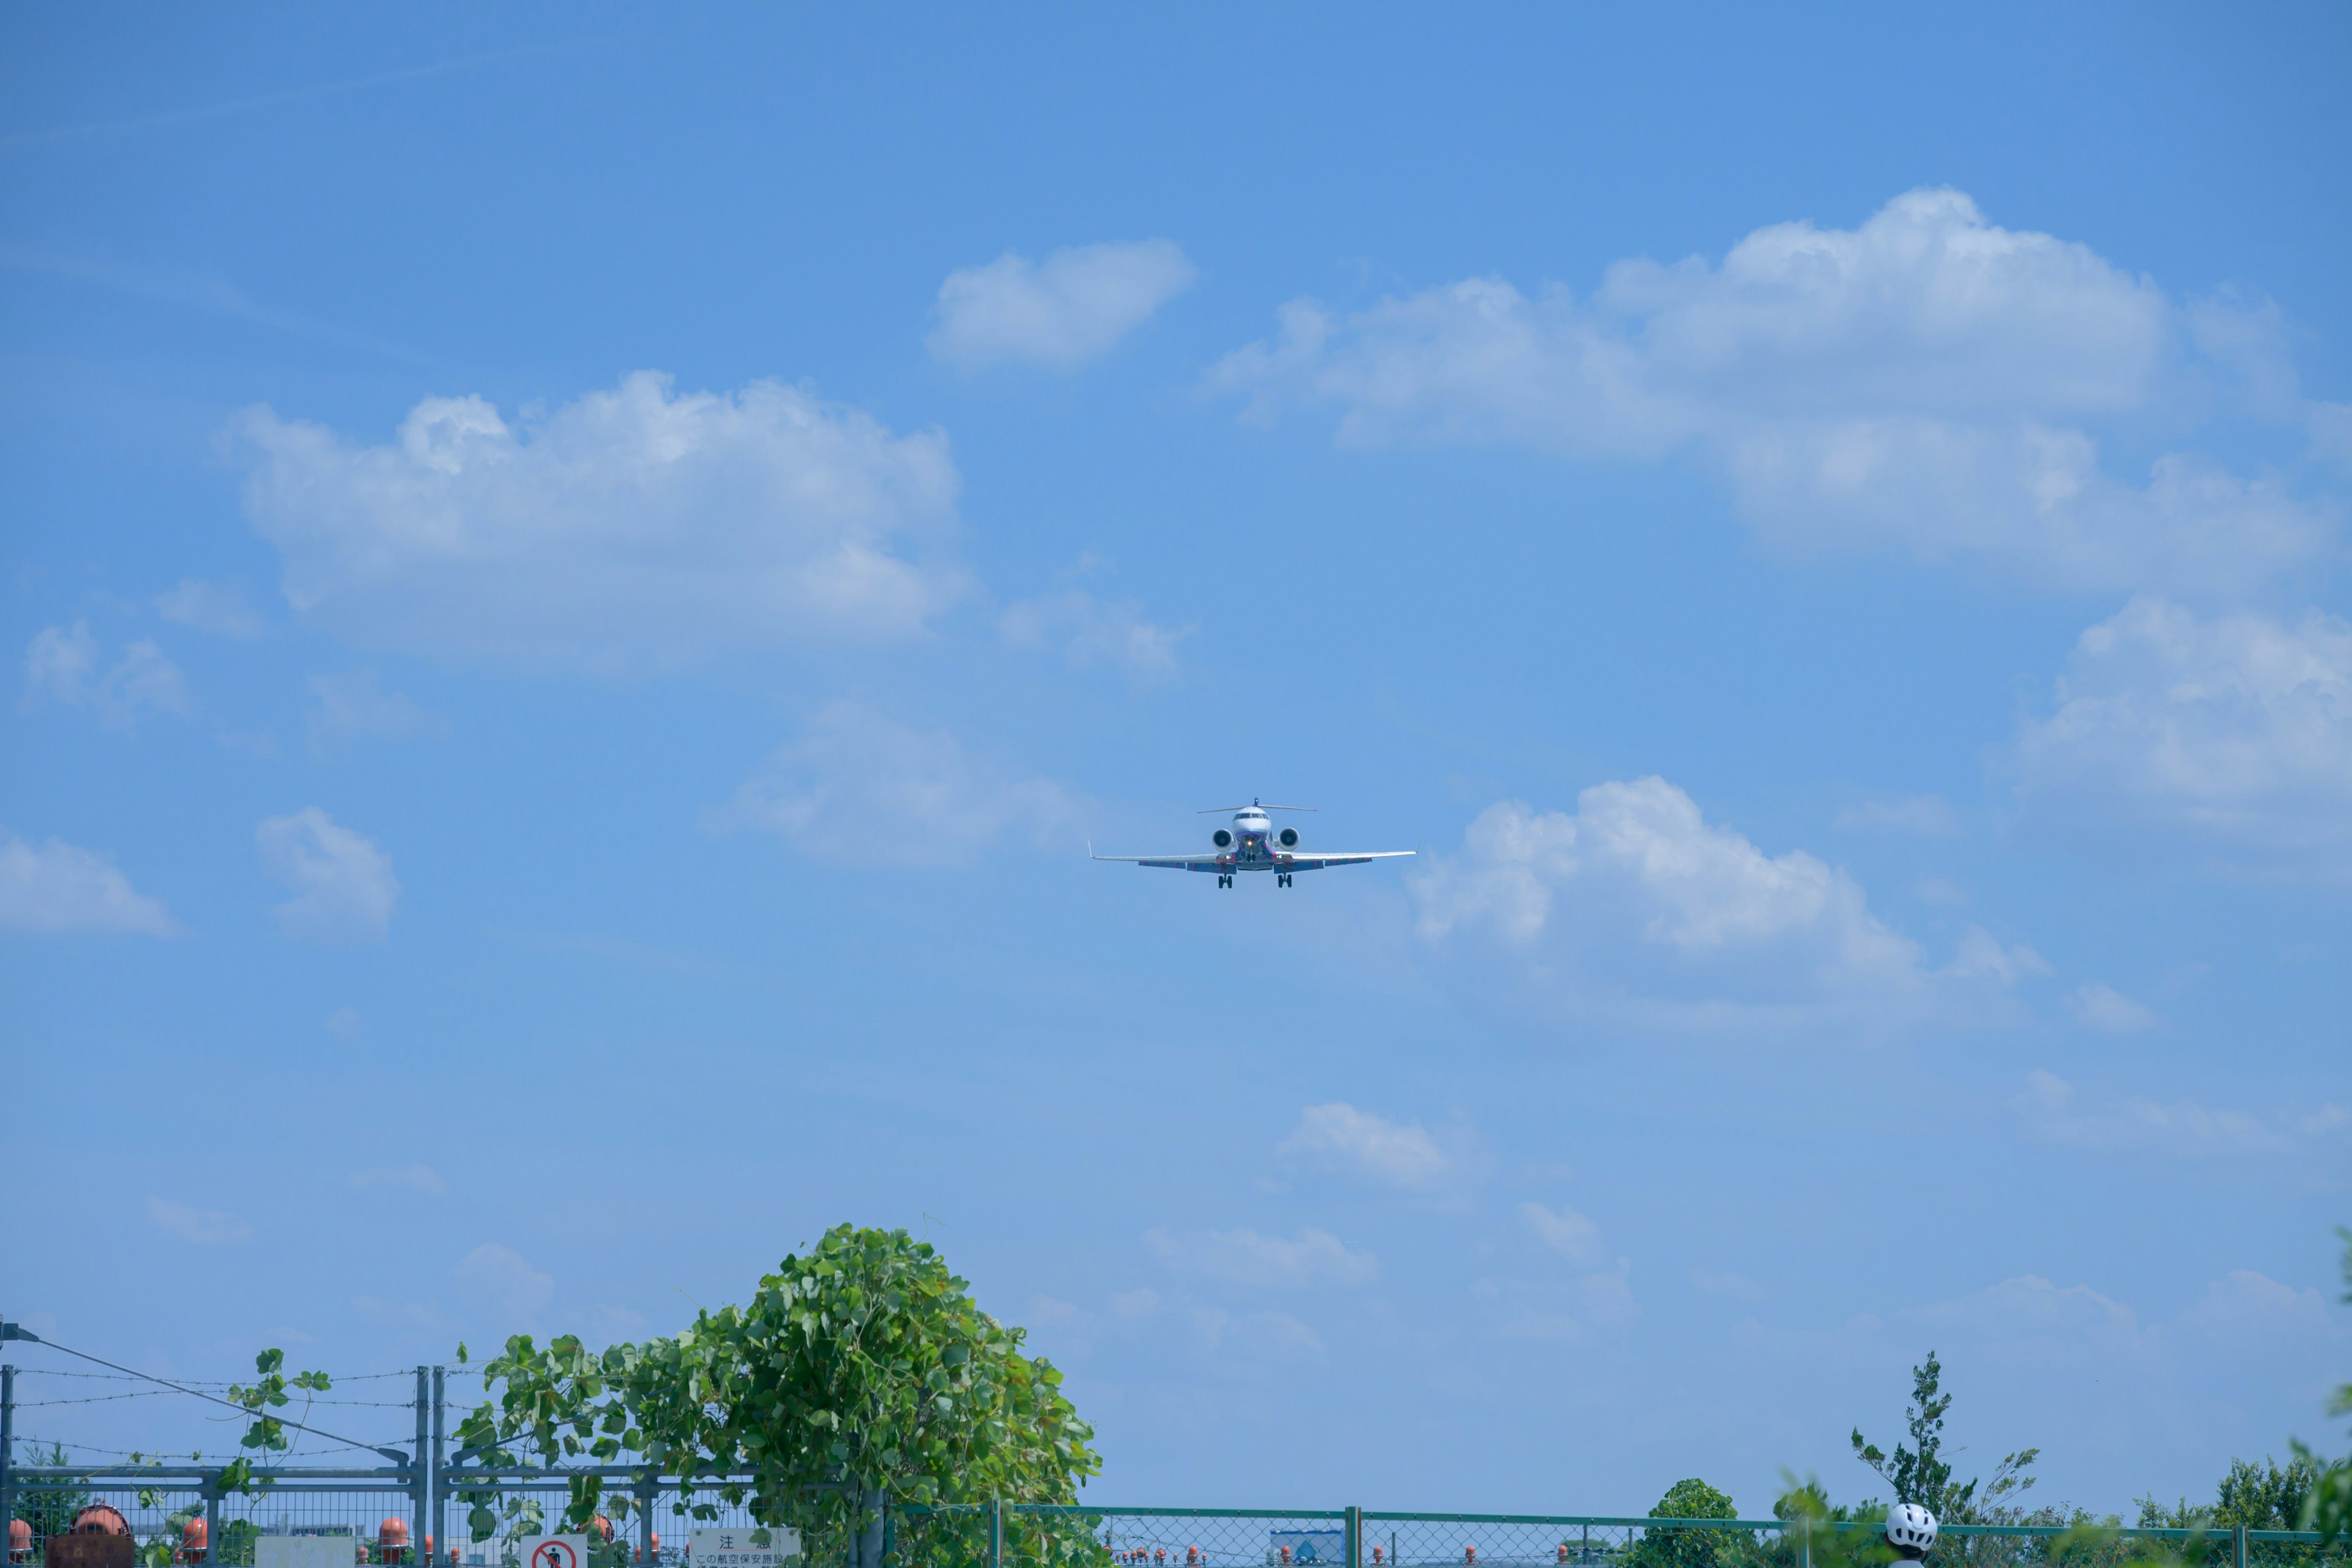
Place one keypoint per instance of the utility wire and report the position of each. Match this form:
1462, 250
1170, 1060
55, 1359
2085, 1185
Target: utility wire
19, 1331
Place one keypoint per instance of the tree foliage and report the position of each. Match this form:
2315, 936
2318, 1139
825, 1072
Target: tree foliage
49, 1512
862, 1367
1920, 1474
2328, 1507
2265, 1496
1691, 1498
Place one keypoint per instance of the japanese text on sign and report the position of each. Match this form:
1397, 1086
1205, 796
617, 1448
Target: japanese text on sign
748, 1548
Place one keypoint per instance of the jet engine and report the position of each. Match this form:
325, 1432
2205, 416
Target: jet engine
1288, 838
1222, 838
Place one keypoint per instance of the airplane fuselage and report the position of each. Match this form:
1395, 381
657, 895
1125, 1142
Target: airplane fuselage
1253, 843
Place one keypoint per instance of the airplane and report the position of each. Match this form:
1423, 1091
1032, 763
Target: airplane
1254, 844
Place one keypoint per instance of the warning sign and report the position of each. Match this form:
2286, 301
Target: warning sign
749, 1548
555, 1552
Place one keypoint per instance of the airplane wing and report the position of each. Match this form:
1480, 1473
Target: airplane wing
1282, 863
1354, 857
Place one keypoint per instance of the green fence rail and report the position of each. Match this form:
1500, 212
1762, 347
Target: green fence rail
181, 1516
1015, 1535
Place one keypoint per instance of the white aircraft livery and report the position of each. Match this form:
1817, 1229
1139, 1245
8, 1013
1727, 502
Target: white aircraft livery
1254, 844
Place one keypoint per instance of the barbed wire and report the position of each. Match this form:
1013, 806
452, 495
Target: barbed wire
109, 1376
225, 1383
160, 1392
195, 1457
144, 1453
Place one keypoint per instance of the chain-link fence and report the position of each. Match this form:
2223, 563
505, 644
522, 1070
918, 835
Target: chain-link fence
1033, 1536
430, 1506
183, 1516
1015, 1535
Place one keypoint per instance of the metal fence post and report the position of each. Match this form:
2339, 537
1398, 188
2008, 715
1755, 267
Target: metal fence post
869, 1531
8, 1451
1353, 1547
648, 1492
996, 1532
420, 1468
2238, 1546
440, 1441
213, 1547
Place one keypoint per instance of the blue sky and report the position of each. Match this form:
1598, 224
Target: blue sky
585, 578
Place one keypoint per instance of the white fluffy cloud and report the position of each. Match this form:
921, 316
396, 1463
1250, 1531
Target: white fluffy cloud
220, 608
1597, 1298
54, 889
344, 886
632, 527
1729, 1285
205, 1227
857, 785
1086, 631
1073, 307
1247, 1342
347, 707
1558, 1311
2050, 1108
1372, 1148
2227, 738
1564, 1230
1921, 381
2108, 1010
61, 666
2087, 1371
1634, 905
1245, 1260
2086, 1335
503, 1281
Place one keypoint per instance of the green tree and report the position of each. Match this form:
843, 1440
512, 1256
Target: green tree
1809, 1536
2329, 1505
1692, 1499
1920, 1474
2258, 1496
863, 1367
2265, 1496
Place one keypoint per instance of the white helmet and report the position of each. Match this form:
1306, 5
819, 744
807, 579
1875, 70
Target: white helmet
1910, 1529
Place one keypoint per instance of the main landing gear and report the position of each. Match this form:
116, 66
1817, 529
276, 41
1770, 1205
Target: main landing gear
1224, 879
1282, 879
